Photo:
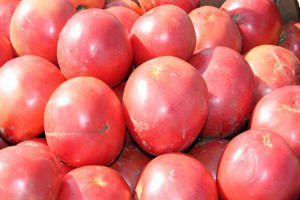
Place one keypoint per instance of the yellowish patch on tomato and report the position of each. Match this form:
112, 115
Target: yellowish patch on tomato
100, 182
289, 108
156, 71
267, 141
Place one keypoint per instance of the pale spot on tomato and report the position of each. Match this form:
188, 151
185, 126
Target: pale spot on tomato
289, 108
100, 182
267, 141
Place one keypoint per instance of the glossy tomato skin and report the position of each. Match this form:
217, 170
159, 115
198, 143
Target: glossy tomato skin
125, 3
273, 67
7, 51
94, 182
22, 101
209, 152
84, 123
230, 83
29, 173
7, 8
175, 176
172, 105
35, 26
291, 37
152, 38
187, 5
214, 27
100, 47
88, 3
279, 112
258, 165
255, 27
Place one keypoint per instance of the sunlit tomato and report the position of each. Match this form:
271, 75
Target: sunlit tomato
171, 107
175, 176
214, 27
126, 3
290, 37
258, 165
186, 5
7, 8
164, 31
88, 3
95, 43
6, 50
84, 122
94, 182
230, 83
26, 84
253, 24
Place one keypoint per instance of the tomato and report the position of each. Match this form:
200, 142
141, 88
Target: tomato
290, 37
214, 27
273, 67
3, 143
84, 123
279, 112
119, 90
94, 43
175, 176
171, 107
22, 100
28, 173
186, 5
7, 51
126, 3
230, 83
126, 16
88, 3
94, 182
258, 165
209, 153
253, 24
7, 8
151, 37
36, 24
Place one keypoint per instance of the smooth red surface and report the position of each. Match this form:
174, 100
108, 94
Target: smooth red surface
186, 5
6, 49
84, 122
7, 8
258, 20
22, 100
94, 43
88, 3
214, 27
126, 3
171, 107
279, 112
94, 182
36, 25
151, 37
291, 37
258, 165
175, 176
230, 83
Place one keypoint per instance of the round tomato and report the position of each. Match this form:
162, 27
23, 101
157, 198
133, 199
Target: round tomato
7, 8
290, 37
22, 99
36, 24
258, 165
125, 3
7, 51
164, 31
88, 3
84, 122
186, 5
171, 107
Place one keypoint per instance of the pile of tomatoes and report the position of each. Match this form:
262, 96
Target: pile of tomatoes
148, 99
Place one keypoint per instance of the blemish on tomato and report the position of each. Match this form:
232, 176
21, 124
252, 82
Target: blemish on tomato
104, 128
267, 141
100, 182
156, 70
289, 108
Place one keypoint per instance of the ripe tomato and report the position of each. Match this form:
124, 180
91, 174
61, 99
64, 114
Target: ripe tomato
126, 3
94, 43
88, 3
7, 51
175, 176
214, 27
94, 182
36, 24
7, 8
84, 122
186, 5
171, 107
290, 37
258, 165
230, 83
22, 99
251, 19
119, 90
164, 31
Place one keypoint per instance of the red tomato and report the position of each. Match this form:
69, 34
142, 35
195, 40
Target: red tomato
126, 3
290, 37
88, 3
22, 99
279, 112
94, 43
209, 153
126, 16
251, 19
186, 5
171, 107
230, 83
36, 24
84, 122
7, 8
28, 173
214, 27
175, 176
119, 90
273, 67
94, 182
164, 31
7, 51
258, 165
